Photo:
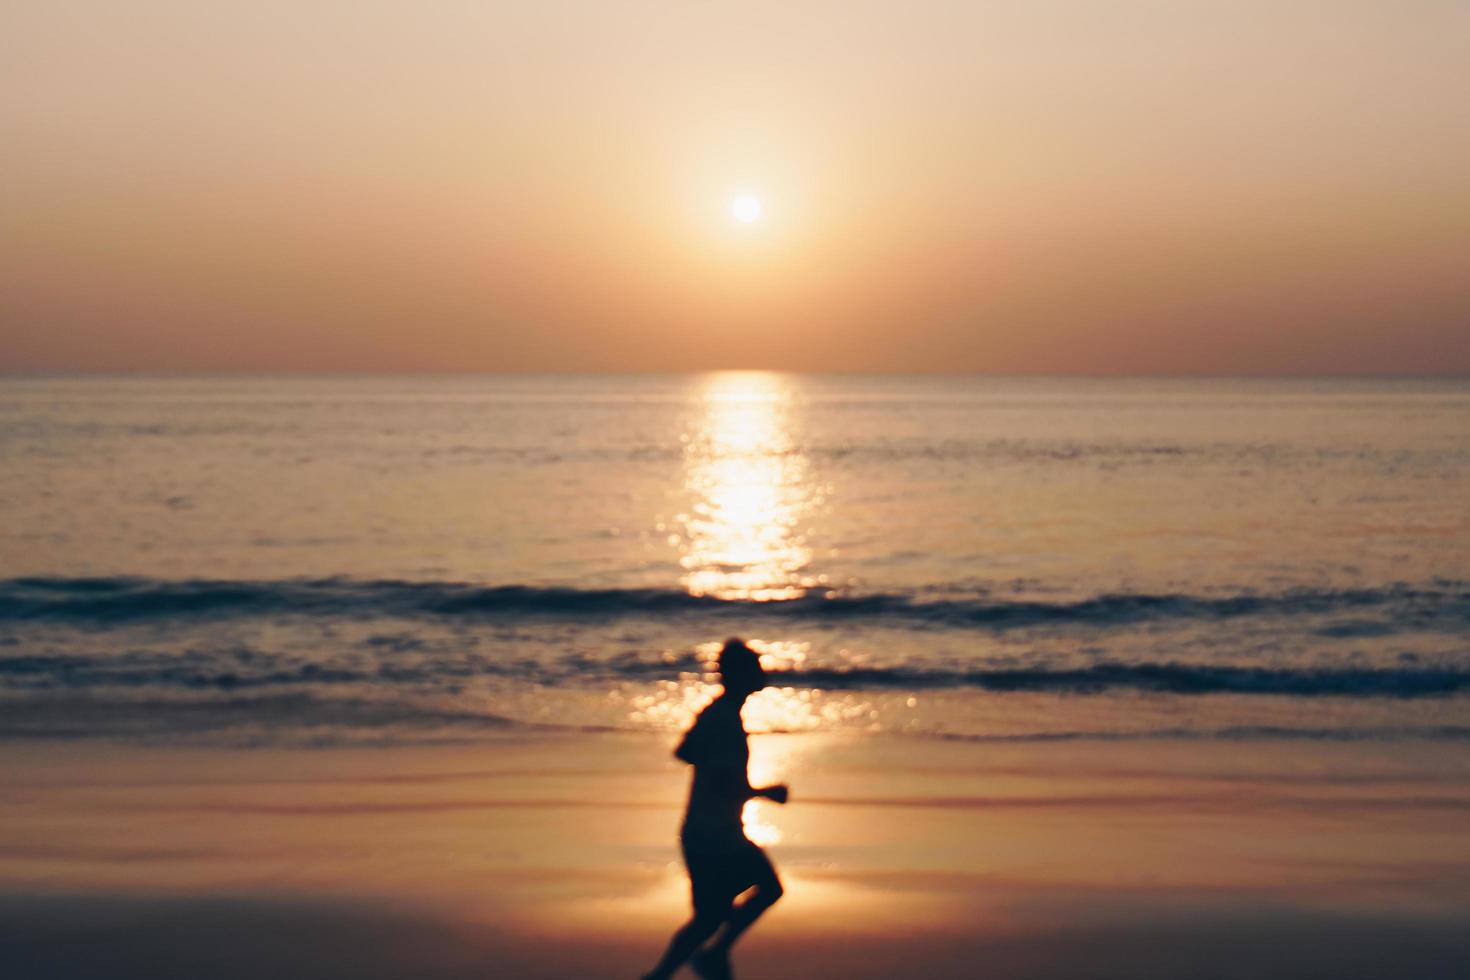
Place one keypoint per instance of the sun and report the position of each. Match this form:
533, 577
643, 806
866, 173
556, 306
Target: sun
746, 208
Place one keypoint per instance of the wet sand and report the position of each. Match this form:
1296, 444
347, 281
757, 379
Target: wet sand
554, 856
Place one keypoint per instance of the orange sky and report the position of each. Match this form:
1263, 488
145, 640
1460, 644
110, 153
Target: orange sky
1035, 186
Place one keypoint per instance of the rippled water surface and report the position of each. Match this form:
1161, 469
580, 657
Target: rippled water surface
405, 558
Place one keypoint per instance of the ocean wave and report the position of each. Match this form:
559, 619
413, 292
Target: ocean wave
241, 670
101, 601
1167, 678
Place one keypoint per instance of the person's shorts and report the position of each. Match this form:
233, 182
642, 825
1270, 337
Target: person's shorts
720, 871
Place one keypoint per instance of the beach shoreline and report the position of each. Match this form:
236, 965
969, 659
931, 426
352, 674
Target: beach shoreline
554, 855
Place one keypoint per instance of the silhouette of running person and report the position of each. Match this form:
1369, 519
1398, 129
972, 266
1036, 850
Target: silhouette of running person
722, 862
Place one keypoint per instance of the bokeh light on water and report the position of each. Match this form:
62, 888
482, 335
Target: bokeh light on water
673, 704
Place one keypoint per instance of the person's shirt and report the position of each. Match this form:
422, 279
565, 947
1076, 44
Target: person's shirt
717, 747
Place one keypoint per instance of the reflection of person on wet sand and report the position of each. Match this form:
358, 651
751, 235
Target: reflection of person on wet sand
723, 863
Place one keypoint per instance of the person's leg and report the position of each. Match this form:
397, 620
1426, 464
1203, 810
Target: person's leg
686, 942
714, 961
712, 896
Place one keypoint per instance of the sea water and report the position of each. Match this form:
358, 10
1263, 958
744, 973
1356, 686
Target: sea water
387, 559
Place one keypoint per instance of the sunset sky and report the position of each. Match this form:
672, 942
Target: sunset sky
1251, 186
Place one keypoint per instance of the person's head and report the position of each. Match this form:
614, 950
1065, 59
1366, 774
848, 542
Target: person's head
740, 668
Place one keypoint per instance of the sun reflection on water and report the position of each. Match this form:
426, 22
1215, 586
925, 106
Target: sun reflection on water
743, 538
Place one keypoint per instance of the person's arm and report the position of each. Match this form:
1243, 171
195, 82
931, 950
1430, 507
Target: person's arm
778, 793
694, 746
701, 748
730, 783
686, 752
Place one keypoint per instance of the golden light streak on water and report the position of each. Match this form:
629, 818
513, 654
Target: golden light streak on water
744, 539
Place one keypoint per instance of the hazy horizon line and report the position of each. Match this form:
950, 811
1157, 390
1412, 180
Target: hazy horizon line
22, 374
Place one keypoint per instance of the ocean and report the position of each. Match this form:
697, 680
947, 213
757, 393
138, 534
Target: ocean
385, 560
